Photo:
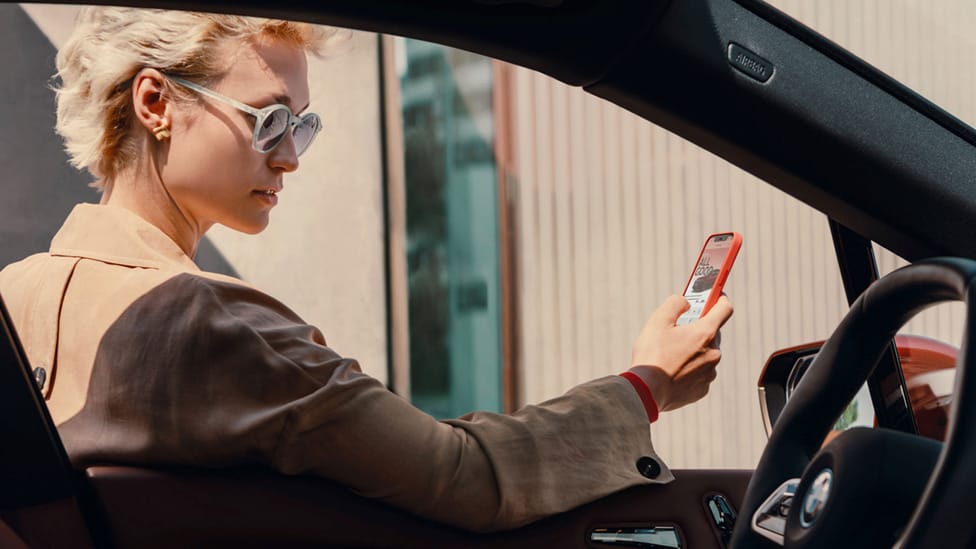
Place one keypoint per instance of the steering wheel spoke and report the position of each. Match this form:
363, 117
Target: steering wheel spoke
769, 521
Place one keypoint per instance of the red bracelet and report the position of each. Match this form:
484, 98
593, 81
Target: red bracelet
644, 392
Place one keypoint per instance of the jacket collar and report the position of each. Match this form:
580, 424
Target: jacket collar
111, 234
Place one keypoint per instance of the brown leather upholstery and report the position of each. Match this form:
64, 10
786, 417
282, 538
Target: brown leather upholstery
54, 524
10, 540
155, 508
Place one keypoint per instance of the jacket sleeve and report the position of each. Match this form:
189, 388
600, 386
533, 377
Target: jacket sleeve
226, 375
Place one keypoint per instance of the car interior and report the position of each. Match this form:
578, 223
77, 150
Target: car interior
865, 150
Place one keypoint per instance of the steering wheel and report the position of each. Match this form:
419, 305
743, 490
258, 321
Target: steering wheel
870, 487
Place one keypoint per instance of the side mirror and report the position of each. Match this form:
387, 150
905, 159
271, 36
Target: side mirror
780, 375
927, 365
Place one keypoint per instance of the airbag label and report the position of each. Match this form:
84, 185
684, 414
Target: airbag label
749, 63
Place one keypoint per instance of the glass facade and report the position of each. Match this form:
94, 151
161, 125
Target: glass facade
452, 229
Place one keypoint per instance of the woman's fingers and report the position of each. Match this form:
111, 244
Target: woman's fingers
718, 315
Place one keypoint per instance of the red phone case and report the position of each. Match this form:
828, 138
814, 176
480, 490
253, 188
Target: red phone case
724, 270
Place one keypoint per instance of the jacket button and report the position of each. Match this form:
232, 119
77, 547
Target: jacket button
40, 376
649, 467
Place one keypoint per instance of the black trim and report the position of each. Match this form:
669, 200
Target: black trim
385, 178
861, 67
34, 466
575, 41
858, 270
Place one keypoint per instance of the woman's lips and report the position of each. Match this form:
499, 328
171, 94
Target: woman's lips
269, 196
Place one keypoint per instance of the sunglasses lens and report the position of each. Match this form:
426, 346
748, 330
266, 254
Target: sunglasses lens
271, 129
306, 130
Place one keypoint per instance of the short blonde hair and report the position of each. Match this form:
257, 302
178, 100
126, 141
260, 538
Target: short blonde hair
110, 45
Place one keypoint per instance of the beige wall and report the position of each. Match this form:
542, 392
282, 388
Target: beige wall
606, 233
612, 211
323, 253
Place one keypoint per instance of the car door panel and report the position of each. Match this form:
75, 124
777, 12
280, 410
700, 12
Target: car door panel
164, 508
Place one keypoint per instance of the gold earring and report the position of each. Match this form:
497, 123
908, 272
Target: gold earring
161, 131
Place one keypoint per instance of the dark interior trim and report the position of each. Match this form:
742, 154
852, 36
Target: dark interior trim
33, 463
575, 41
861, 67
889, 392
148, 508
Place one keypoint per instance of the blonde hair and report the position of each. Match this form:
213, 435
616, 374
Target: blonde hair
110, 45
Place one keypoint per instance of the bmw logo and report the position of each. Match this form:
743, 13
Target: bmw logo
816, 498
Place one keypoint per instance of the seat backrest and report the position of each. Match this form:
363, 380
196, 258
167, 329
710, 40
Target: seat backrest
37, 485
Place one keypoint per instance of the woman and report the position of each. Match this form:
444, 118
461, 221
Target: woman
188, 120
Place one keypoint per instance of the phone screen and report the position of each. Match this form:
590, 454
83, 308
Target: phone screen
708, 276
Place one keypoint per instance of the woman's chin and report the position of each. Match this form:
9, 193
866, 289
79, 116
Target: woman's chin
249, 226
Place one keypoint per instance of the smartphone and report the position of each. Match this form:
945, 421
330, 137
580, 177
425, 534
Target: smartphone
710, 273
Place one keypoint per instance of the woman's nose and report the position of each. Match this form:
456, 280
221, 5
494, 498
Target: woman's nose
284, 157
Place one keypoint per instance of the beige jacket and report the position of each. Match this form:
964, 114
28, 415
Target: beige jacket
154, 361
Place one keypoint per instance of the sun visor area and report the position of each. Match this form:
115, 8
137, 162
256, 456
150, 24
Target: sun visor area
575, 41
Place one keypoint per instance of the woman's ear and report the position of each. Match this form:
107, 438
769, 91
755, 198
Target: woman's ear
151, 102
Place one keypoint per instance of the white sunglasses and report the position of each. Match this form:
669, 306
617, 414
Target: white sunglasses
271, 123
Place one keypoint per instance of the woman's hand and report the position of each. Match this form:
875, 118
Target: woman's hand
678, 362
